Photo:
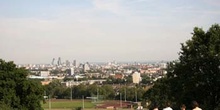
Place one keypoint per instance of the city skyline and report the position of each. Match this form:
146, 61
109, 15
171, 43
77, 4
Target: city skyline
100, 30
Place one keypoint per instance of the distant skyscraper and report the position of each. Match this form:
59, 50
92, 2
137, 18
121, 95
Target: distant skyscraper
74, 63
53, 61
59, 61
67, 63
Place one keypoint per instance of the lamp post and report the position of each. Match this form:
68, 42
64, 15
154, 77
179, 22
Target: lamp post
71, 91
120, 101
125, 89
83, 102
125, 93
71, 94
135, 94
97, 93
49, 101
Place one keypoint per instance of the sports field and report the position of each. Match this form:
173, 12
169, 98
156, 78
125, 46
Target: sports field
63, 104
57, 104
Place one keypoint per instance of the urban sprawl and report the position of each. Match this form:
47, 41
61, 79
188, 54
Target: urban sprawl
75, 73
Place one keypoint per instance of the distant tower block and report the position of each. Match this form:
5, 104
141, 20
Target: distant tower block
86, 67
67, 63
53, 61
59, 61
71, 71
74, 63
136, 77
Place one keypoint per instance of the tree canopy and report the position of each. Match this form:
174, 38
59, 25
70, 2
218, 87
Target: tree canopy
16, 91
195, 75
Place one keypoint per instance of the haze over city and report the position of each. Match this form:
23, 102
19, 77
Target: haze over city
100, 30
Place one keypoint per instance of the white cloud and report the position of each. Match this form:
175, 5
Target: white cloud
213, 2
112, 6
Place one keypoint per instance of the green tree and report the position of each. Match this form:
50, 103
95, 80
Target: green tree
160, 93
196, 75
108, 92
92, 89
16, 91
56, 90
145, 79
131, 93
79, 91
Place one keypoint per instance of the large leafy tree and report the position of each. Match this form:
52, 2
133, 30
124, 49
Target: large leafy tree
160, 94
16, 91
196, 74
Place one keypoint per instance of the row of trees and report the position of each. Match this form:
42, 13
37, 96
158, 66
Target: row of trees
195, 75
56, 90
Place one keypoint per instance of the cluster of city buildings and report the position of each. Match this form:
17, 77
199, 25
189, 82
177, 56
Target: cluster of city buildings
75, 73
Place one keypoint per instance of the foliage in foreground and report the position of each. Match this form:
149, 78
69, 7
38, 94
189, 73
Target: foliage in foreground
16, 91
195, 76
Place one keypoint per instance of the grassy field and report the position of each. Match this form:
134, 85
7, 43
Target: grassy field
61, 104
67, 104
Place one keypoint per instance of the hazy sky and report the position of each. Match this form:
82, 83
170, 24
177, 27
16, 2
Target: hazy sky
35, 31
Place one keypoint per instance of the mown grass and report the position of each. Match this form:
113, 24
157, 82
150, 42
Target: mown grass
68, 104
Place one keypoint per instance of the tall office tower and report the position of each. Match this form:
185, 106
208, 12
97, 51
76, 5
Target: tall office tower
67, 63
74, 63
53, 61
59, 61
